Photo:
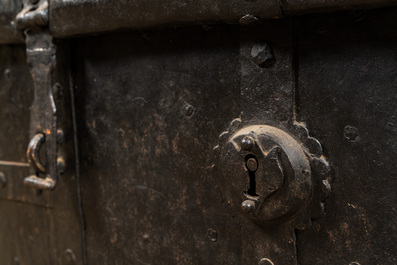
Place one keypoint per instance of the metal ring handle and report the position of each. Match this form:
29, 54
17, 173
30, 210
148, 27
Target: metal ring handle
33, 153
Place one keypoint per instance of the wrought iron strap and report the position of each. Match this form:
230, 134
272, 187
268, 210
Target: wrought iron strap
268, 167
74, 17
77, 17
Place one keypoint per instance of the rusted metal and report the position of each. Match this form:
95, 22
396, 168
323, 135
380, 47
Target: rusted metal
34, 14
149, 109
33, 153
32, 221
276, 189
70, 18
139, 148
75, 17
263, 171
41, 52
33, 157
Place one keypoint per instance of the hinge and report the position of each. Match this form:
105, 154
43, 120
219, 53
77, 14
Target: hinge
48, 100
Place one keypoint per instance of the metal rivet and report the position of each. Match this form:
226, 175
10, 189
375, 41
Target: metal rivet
69, 257
60, 136
188, 109
247, 143
249, 20
3, 180
252, 164
248, 206
61, 165
146, 237
265, 262
350, 133
212, 234
57, 91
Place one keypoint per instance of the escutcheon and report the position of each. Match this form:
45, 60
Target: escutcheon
275, 177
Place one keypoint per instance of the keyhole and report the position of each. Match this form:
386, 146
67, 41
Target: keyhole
252, 165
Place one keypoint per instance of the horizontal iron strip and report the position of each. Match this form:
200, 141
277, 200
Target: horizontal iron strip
80, 17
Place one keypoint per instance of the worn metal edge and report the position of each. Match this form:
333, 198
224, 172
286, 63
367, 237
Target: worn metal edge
77, 17
69, 18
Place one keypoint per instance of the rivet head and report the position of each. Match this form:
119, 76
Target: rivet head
146, 237
188, 109
249, 20
265, 261
60, 136
212, 234
57, 91
69, 257
350, 133
248, 206
61, 164
247, 143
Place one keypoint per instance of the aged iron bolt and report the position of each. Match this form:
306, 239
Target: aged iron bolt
252, 164
248, 206
60, 136
3, 180
350, 133
188, 109
146, 237
70, 258
247, 143
262, 55
212, 234
249, 20
57, 91
61, 164
265, 262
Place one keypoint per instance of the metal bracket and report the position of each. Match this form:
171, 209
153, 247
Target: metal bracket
41, 58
